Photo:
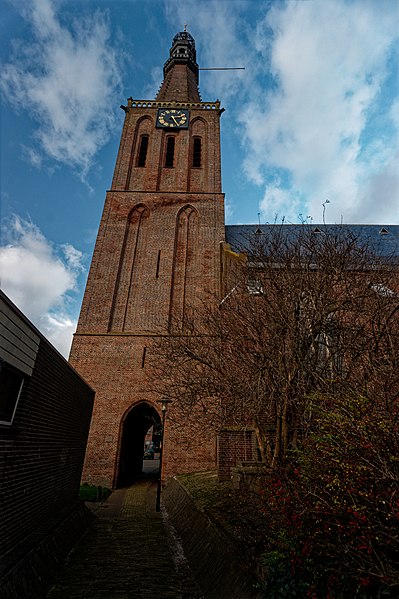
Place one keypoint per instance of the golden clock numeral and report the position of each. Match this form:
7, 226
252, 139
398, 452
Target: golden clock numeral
172, 118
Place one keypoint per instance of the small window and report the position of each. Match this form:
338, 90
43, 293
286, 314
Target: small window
383, 290
254, 287
158, 262
11, 381
142, 151
170, 152
197, 152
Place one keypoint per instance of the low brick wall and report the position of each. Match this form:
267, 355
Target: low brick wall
249, 476
219, 569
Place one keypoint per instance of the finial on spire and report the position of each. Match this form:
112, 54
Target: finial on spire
185, 27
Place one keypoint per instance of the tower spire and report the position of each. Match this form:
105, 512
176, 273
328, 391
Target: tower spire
180, 71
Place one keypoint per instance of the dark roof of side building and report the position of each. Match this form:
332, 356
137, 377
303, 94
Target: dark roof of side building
384, 239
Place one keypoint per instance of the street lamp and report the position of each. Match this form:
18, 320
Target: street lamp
164, 406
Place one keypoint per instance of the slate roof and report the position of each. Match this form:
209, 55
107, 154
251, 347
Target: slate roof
384, 239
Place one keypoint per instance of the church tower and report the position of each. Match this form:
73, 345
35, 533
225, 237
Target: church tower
156, 255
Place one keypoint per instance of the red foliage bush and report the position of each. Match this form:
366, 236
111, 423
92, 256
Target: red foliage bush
333, 513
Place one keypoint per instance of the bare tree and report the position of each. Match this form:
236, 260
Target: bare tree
307, 313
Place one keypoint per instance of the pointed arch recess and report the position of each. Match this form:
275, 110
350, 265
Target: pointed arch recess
198, 134
144, 126
134, 423
124, 308
185, 266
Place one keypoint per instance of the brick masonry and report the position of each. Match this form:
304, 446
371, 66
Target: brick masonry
219, 567
234, 445
157, 255
156, 258
42, 451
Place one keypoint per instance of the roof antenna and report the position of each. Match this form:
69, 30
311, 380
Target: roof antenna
216, 68
222, 69
324, 210
259, 218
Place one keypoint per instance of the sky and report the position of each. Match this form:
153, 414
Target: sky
310, 130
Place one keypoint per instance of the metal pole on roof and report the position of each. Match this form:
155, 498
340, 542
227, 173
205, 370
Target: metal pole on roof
222, 69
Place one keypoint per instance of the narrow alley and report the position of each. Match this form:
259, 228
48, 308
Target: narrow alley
129, 552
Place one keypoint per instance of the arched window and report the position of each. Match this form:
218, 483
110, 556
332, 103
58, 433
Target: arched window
142, 155
197, 152
170, 152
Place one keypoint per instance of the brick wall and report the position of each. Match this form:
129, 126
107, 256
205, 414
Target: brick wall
113, 365
128, 176
234, 445
157, 255
41, 452
220, 567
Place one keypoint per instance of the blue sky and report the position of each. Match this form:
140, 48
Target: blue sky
314, 117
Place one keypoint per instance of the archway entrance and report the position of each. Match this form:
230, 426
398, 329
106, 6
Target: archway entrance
139, 420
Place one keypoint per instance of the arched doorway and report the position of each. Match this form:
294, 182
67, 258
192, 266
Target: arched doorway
135, 425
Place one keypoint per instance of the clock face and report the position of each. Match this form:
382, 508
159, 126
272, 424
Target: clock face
172, 118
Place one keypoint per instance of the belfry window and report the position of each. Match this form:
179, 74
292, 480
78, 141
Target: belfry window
197, 152
170, 152
142, 150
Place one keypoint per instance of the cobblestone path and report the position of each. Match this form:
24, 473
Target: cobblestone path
128, 553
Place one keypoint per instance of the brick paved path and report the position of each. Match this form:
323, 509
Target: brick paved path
128, 553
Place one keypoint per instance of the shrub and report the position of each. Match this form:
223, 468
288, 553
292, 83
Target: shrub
334, 512
93, 493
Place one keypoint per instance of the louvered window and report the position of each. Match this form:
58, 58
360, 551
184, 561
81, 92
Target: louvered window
142, 151
170, 152
197, 152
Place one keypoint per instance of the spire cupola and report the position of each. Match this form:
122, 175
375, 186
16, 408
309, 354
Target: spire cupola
182, 52
180, 71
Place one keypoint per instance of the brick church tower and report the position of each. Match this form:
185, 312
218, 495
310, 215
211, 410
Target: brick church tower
157, 253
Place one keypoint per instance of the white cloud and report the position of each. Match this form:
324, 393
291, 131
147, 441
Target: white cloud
379, 199
38, 279
32, 156
152, 88
281, 205
330, 61
315, 106
59, 331
220, 34
67, 76
73, 257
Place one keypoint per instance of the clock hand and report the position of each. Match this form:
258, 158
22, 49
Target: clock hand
174, 119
